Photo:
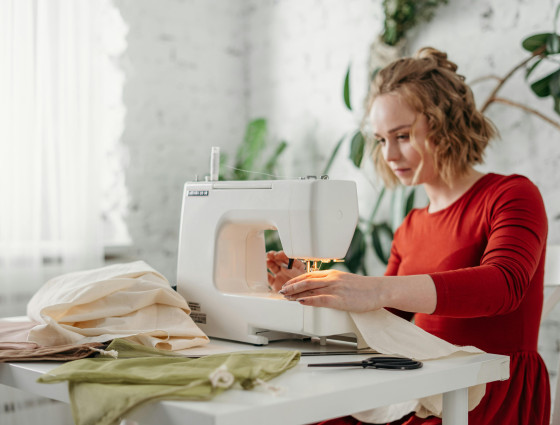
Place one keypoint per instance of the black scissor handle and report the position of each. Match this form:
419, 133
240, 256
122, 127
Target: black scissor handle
395, 363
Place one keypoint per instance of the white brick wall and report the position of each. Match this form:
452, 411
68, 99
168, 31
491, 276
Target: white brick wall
185, 91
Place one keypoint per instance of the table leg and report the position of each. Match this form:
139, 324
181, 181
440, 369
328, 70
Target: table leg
456, 407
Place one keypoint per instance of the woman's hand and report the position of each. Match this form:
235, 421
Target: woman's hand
279, 274
336, 289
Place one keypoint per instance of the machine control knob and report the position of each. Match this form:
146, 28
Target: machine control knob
323, 177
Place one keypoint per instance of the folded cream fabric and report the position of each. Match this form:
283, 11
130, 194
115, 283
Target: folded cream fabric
15, 330
390, 334
129, 300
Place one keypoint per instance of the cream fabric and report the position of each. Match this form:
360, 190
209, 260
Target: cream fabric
129, 300
390, 334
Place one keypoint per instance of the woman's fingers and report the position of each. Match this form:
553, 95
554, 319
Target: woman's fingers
279, 257
278, 276
328, 301
276, 262
308, 293
304, 282
308, 276
273, 266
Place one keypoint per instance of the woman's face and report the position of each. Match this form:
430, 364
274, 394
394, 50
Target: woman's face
392, 120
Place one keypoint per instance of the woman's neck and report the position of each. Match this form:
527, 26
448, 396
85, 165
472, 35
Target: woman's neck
442, 195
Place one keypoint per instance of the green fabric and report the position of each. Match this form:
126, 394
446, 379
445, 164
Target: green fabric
103, 389
129, 350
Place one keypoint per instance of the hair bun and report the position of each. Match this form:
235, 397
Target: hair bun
438, 56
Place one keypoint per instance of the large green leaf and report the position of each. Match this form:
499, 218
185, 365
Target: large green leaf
547, 86
533, 42
554, 84
542, 87
557, 105
409, 202
270, 166
533, 67
555, 90
357, 148
377, 237
248, 163
355, 257
253, 144
347, 89
333, 155
224, 170
272, 240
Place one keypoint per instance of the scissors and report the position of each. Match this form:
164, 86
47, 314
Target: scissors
396, 363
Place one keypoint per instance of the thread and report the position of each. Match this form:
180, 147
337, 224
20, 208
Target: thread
260, 173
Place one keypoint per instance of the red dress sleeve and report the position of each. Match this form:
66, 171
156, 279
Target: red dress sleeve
516, 240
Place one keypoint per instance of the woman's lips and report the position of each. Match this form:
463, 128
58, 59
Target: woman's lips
401, 171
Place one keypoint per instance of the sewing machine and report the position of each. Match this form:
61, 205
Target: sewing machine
221, 268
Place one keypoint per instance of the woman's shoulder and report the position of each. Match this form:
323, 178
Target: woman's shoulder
496, 178
498, 185
510, 193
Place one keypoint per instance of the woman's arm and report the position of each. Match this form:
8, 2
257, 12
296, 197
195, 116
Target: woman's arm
350, 292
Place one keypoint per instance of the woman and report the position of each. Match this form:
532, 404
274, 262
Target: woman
470, 265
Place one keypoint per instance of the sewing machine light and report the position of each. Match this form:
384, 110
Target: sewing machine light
315, 265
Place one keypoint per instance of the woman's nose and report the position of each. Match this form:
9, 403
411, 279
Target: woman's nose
391, 151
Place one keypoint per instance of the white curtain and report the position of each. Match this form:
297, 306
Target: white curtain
51, 141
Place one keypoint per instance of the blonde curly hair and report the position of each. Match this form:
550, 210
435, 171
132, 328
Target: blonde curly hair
430, 85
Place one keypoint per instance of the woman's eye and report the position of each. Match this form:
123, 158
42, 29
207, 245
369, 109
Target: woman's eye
403, 136
379, 141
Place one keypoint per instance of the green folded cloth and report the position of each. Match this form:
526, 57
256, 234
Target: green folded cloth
102, 389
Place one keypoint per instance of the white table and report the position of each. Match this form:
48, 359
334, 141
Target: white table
310, 394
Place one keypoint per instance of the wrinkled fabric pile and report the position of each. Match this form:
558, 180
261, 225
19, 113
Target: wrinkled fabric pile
140, 375
32, 352
129, 300
75, 315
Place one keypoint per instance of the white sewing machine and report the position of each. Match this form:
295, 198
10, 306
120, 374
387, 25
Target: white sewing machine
221, 268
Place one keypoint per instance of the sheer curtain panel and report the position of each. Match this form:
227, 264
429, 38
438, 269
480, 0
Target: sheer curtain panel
51, 139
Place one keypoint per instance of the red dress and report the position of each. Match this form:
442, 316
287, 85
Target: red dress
485, 254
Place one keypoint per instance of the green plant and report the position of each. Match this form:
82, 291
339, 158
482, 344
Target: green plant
543, 48
250, 163
402, 15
